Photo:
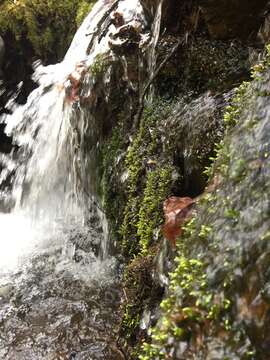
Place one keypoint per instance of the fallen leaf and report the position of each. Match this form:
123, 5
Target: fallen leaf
177, 210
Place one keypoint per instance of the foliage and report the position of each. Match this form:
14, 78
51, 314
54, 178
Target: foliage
48, 26
84, 7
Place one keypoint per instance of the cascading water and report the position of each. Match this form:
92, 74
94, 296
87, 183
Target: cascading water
57, 280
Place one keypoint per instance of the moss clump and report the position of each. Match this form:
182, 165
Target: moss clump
112, 199
231, 118
141, 293
237, 105
149, 182
100, 65
83, 9
191, 305
150, 215
45, 26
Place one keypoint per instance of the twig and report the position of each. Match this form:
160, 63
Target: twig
138, 115
99, 24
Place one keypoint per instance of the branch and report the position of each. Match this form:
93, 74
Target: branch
99, 24
138, 115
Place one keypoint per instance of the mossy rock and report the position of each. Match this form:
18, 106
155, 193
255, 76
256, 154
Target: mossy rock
218, 304
201, 65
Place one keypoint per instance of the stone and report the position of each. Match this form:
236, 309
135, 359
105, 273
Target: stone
2, 54
228, 19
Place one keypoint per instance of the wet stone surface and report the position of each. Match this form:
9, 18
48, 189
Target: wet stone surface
56, 307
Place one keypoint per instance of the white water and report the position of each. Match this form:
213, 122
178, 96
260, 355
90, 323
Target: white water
52, 182
59, 288
48, 185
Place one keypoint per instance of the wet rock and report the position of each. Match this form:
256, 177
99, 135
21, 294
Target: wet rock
202, 64
126, 39
2, 54
233, 19
174, 12
221, 281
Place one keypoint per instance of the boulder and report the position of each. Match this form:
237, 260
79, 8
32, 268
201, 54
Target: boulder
224, 19
227, 19
2, 54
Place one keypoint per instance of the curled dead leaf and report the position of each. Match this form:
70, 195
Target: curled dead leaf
177, 210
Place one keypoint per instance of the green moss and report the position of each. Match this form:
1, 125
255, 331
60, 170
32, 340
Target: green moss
100, 65
148, 182
232, 114
234, 110
112, 199
259, 69
231, 118
84, 8
150, 215
191, 305
46, 26
140, 291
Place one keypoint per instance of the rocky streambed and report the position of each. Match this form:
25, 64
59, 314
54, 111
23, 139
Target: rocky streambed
60, 302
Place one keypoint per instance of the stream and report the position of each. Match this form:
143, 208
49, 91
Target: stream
58, 300
59, 286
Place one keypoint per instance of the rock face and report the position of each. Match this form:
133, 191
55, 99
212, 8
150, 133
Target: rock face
232, 18
219, 302
2, 54
224, 19
165, 157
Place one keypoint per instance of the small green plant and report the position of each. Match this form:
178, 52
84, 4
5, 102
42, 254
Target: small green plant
150, 215
148, 185
234, 110
99, 66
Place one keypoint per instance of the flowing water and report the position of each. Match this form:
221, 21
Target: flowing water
59, 286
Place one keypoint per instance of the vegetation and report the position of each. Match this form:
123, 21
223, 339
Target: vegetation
205, 287
46, 27
215, 290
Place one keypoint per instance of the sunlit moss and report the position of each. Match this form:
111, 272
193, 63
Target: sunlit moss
48, 26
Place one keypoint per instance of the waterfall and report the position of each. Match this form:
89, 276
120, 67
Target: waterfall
57, 276
57, 131
152, 54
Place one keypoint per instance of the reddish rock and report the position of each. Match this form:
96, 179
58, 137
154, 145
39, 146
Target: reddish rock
177, 210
